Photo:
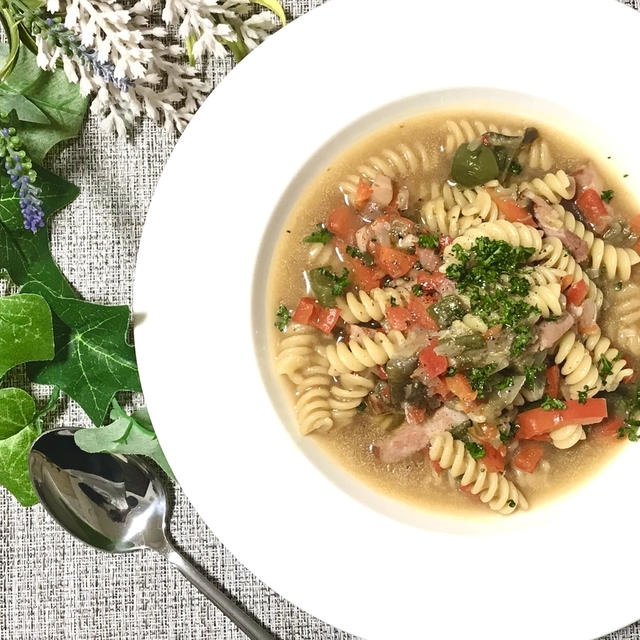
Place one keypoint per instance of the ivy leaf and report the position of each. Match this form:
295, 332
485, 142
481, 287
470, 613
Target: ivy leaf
17, 433
49, 108
92, 358
55, 193
25, 256
126, 434
26, 330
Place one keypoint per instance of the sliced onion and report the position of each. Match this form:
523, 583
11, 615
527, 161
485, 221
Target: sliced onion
382, 190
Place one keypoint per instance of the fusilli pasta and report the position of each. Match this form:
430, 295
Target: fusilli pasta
295, 350
364, 307
552, 186
600, 346
464, 131
493, 488
312, 404
565, 437
347, 394
547, 299
356, 356
579, 371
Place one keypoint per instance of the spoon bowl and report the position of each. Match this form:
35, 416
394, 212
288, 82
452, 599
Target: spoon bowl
116, 503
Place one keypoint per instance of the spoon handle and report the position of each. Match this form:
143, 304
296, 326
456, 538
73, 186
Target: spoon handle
244, 621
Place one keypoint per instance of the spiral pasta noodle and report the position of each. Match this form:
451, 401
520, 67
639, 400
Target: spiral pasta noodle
577, 366
554, 255
295, 350
399, 161
493, 488
347, 394
364, 307
627, 309
547, 299
541, 275
600, 346
312, 405
438, 219
356, 356
565, 437
476, 202
465, 131
552, 186
537, 156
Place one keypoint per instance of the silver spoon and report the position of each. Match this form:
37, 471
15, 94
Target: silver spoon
116, 503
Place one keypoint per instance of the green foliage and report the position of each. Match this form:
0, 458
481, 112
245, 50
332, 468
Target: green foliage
126, 434
26, 331
92, 357
49, 108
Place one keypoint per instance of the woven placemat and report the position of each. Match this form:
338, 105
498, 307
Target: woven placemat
53, 587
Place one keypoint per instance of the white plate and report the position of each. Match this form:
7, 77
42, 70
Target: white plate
347, 555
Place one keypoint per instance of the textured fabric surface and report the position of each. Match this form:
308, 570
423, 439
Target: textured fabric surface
53, 587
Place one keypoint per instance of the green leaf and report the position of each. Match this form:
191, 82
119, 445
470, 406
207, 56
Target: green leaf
126, 434
17, 433
50, 108
10, 28
24, 255
17, 410
92, 358
26, 331
55, 193
275, 6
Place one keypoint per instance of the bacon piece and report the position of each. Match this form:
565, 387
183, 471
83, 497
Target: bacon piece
429, 259
411, 438
549, 332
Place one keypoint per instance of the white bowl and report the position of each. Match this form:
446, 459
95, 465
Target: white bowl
372, 566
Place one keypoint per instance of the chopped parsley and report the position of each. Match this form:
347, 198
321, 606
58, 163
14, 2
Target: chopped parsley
479, 378
531, 375
605, 367
629, 428
451, 371
491, 273
475, 450
282, 318
416, 290
321, 234
618, 286
392, 301
548, 403
361, 407
582, 395
366, 258
506, 436
515, 168
505, 383
427, 241
511, 504
607, 195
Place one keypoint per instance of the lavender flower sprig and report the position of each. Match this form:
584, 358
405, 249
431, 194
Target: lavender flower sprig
22, 175
56, 34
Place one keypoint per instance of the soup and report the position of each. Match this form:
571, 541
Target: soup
456, 303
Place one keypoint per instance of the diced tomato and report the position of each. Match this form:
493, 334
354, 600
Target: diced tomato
608, 428
492, 458
432, 363
444, 241
382, 374
365, 278
565, 281
417, 307
398, 318
309, 312
459, 386
543, 437
431, 281
511, 211
552, 376
343, 222
538, 421
362, 195
593, 209
527, 457
394, 262
304, 310
413, 414
577, 292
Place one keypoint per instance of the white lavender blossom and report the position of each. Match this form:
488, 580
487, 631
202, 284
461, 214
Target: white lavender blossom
144, 75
